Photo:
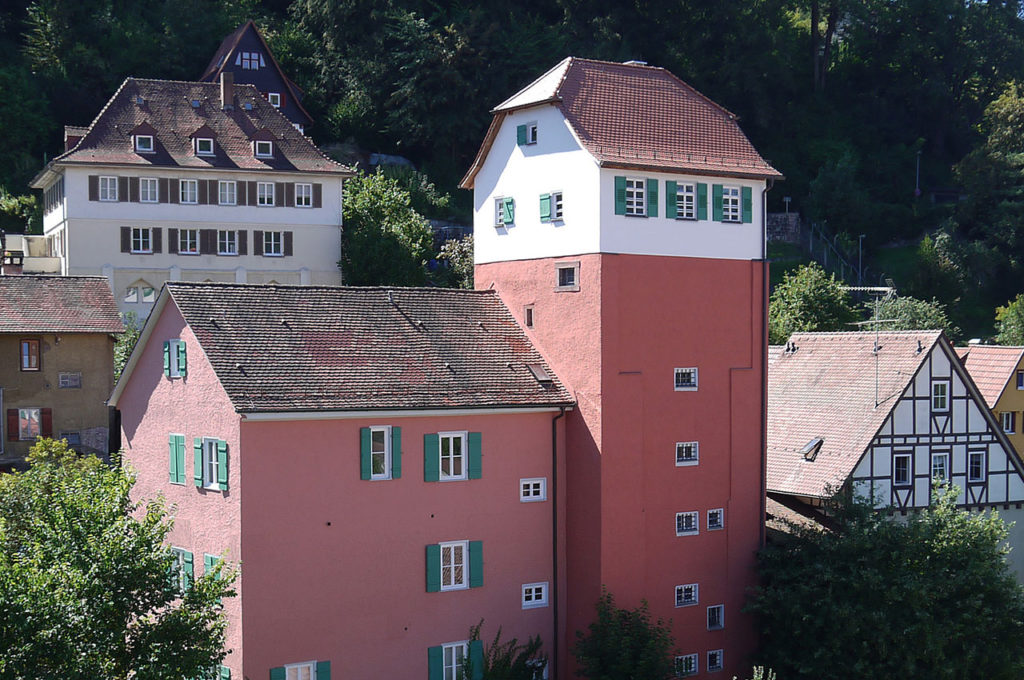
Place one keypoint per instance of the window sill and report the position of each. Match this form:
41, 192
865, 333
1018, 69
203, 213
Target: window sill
221, 203
266, 205
685, 219
567, 289
688, 533
273, 254
686, 463
445, 589
141, 252
303, 206
453, 479
148, 201
30, 370
686, 389
381, 479
535, 605
532, 500
635, 215
188, 202
715, 528
114, 200
687, 604
188, 253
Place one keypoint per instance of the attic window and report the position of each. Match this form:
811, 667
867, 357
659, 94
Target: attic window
144, 143
542, 376
204, 146
250, 61
275, 99
195, 103
247, 106
139, 100
263, 149
810, 450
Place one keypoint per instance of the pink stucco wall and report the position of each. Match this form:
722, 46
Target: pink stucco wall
152, 407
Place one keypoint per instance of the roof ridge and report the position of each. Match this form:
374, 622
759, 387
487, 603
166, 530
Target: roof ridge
233, 284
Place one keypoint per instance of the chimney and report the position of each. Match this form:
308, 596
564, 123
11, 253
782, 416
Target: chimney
227, 90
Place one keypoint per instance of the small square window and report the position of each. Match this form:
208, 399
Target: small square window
263, 149
535, 595
69, 381
568, 277
227, 192
454, 565
687, 523
686, 379
685, 665
687, 453
148, 294
716, 617
108, 189
716, 519
29, 423
188, 241
73, 438
636, 203
273, 243
142, 240
275, 99
730, 204
714, 663
976, 466
940, 395
250, 61
144, 143
303, 195
686, 201
189, 192
265, 193
902, 471
688, 594
227, 242
29, 355
535, 489
204, 146
149, 190
940, 466
1009, 421
528, 316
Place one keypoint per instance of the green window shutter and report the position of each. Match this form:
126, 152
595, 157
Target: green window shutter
209, 561
323, 670
434, 568
652, 198
182, 362
225, 673
702, 201
431, 458
545, 207
620, 195
197, 461
716, 202
747, 204
435, 663
167, 358
172, 445
670, 199
475, 455
364, 453
181, 459
222, 464
476, 658
508, 210
277, 673
396, 452
521, 135
189, 573
476, 564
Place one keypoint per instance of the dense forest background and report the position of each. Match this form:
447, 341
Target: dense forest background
848, 98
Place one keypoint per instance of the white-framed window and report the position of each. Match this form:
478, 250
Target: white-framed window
715, 660
716, 617
275, 99
189, 191
188, 241
179, 569
940, 395
29, 423
902, 468
940, 466
380, 452
211, 462
533, 489
147, 293
69, 381
265, 193
273, 243
685, 665
263, 148
303, 195
149, 190
300, 671
250, 61
687, 595
108, 189
686, 201
636, 196
976, 469
142, 240
175, 365
131, 294
453, 455
687, 453
454, 565
531, 132
453, 656
556, 206
687, 523
567, 276
227, 192
227, 242
535, 595
686, 379
144, 143
504, 211
731, 204
1020, 380
203, 146
1009, 421
528, 316
716, 519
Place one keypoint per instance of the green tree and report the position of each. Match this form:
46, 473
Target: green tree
385, 242
84, 587
508, 660
456, 258
624, 644
911, 314
126, 342
1010, 322
882, 596
808, 299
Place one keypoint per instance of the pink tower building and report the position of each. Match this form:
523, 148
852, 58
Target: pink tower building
620, 216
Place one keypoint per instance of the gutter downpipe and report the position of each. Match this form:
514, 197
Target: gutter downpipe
554, 540
764, 357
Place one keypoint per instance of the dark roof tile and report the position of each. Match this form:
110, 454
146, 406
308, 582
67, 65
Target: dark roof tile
57, 304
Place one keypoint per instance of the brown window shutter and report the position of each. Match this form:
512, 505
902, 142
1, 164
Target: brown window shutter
204, 197
46, 426
257, 243
172, 241
279, 194
174, 195
94, 187
133, 189
287, 244
289, 194
13, 430
250, 193
122, 189
207, 241
241, 193
126, 239
243, 236
158, 240
212, 191
165, 187
318, 195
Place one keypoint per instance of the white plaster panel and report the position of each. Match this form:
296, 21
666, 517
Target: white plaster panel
863, 468
902, 417
959, 410
1014, 520
862, 488
978, 422
1017, 491
883, 461
922, 383
997, 489
940, 364
959, 388
922, 492
924, 412
883, 493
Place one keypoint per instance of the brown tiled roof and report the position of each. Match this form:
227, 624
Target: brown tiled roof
301, 348
827, 388
991, 367
638, 116
167, 107
57, 304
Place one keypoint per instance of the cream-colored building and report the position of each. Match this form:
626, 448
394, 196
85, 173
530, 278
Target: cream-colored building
192, 182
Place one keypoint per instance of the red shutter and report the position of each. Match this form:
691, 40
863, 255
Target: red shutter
13, 431
46, 427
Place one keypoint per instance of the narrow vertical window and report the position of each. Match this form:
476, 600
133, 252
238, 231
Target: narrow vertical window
30, 355
901, 469
636, 203
940, 395
716, 617
940, 466
730, 204
303, 195
976, 466
227, 192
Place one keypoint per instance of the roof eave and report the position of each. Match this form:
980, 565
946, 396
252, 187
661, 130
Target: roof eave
727, 171
342, 414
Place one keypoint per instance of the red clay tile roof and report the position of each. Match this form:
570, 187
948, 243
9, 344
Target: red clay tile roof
826, 388
637, 116
991, 367
167, 107
301, 348
57, 304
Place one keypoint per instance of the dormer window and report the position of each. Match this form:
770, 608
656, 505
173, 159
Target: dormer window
204, 146
275, 99
144, 143
263, 149
250, 61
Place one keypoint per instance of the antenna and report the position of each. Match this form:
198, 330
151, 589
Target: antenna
878, 293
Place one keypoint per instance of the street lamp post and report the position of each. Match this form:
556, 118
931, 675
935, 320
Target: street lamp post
860, 259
